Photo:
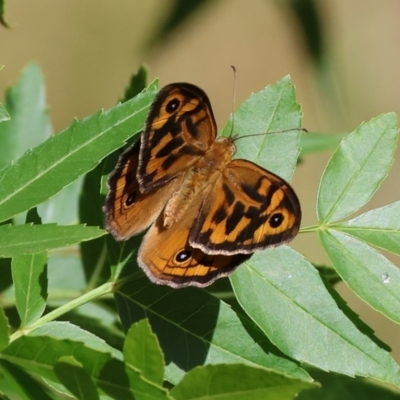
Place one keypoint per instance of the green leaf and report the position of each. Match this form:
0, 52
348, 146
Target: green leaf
335, 386
90, 201
2, 20
76, 380
143, 353
30, 281
281, 290
310, 26
63, 207
127, 384
137, 84
236, 382
32, 217
4, 116
379, 227
368, 273
30, 239
122, 254
66, 331
29, 124
273, 109
4, 330
104, 363
60, 339
93, 252
42, 172
99, 318
357, 168
209, 329
173, 18
315, 142
328, 274
5, 272
28, 387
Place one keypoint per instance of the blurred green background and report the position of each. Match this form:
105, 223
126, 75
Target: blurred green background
343, 57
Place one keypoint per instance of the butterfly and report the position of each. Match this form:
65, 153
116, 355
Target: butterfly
205, 212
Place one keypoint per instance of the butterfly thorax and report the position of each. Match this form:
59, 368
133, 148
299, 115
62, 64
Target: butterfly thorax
200, 178
220, 153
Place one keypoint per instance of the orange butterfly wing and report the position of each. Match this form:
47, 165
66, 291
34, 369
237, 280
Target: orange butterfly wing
249, 209
179, 129
167, 257
127, 210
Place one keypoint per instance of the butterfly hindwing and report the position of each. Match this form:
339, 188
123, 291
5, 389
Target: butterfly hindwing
249, 209
167, 257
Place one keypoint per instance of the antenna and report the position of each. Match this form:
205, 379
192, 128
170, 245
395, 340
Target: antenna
233, 115
233, 100
271, 132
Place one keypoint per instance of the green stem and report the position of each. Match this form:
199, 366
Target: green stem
106, 288
311, 228
97, 270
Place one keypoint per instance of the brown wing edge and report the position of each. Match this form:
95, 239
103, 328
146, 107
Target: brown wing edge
178, 282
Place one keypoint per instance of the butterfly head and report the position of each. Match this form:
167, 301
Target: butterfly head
224, 147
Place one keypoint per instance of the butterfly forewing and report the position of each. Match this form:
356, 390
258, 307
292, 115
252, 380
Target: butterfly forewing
249, 209
179, 129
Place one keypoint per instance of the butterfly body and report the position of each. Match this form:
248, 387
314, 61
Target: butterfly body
199, 179
207, 213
